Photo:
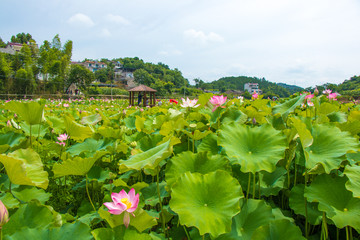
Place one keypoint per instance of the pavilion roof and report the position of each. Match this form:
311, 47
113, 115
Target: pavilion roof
142, 88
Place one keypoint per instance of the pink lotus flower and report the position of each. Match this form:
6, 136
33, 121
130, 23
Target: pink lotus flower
310, 103
4, 214
332, 96
309, 96
255, 95
66, 105
189, 103
123, 202
63, 137
327, 91
217, 101
8, 123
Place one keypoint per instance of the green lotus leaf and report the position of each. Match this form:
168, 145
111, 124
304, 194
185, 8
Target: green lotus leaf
76, 131
352, 127
339, 117
254, 149
278, 230
327, 108
337, 202
209, 144
147, 160
254, 213
272, 183
204, 99
139, 123
141, 221
150, 141
32, 112
130, 122
56, 123
150, 193
119, 232
187, 161
276, 121
36, 129
27, 193
10, 201
329, 145
197, 135
24, 167
90, 146
201, 201
67, 231
353, 184
76, 166
304, 134
353, 157
297, 204
10, 139
289, 106
30, 215
233, 115
91, 119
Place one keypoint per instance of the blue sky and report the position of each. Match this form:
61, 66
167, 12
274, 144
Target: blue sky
298, 42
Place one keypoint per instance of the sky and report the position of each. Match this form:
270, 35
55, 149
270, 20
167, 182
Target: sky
298, 42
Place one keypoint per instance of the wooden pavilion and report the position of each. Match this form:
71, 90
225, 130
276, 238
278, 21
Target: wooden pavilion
142, 93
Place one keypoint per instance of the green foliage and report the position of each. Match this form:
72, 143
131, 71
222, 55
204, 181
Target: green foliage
255, 169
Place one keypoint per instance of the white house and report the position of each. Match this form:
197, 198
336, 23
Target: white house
252, 87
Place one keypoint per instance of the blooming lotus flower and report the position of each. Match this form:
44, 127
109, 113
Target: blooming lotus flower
189, 103
327, 91
309, 96
310, 103
123, 201
241, 98
66, 105
173, 101
63, 137
4, 214
255, 95
217, 101
332, 96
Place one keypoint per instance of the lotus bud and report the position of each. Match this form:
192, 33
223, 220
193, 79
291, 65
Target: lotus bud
4, 214
316, 92
133, 144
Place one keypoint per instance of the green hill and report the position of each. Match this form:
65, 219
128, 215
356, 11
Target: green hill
237, 83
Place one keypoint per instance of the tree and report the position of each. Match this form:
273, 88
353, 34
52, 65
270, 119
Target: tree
2, 44
101, 75
141, 76
4, 73
21, 38
80, 76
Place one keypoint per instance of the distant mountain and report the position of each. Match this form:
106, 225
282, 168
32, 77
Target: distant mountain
349, 87
292, 88
237, 83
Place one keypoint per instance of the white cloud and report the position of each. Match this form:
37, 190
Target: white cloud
81, 20
117, 19
105, 32
201, 37
173, 52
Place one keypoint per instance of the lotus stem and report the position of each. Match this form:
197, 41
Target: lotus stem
295, 170
254, 184
324, 229
30, 137
160, 202
347, 233
306, 212
88, 194
248, 188
186, 232
259, 187
193, 145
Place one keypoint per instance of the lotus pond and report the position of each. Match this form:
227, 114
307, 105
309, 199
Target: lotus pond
215, 168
